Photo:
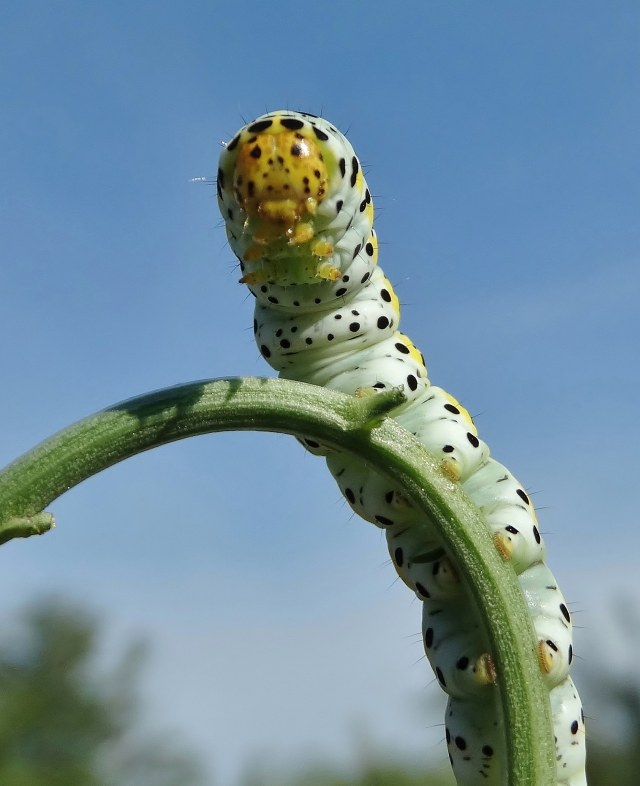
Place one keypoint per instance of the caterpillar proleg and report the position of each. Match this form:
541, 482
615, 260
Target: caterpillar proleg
299, 217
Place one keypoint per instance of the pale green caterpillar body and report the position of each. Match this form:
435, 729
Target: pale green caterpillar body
299, 217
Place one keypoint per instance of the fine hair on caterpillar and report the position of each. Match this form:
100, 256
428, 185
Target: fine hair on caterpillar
299, 217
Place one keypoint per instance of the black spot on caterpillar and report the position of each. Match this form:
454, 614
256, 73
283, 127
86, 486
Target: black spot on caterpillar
299, 217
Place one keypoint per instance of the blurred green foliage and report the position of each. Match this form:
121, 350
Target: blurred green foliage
66, 721
369, 775
612, 700
63, 723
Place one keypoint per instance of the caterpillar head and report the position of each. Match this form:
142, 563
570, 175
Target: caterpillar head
280, 179
294, 200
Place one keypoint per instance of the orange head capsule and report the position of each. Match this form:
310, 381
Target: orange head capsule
280, 179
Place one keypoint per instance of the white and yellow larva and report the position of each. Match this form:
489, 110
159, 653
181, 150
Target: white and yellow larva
299, 217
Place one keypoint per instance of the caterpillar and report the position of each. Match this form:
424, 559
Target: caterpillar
299, 218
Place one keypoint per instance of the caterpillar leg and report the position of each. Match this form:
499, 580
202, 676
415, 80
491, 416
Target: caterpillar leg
422, 564
509, 512
551, 621
456, 648
369, 494
446, 429
568, 724
474, 741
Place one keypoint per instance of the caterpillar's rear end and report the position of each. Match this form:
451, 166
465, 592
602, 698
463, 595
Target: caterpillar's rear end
299, 218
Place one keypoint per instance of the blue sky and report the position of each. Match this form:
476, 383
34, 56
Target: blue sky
501, 143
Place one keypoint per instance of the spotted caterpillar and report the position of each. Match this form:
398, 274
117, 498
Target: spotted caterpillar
299, 217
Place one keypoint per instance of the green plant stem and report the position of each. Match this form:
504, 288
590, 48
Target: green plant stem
357, 426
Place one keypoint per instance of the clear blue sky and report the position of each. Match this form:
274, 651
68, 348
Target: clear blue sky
501, 142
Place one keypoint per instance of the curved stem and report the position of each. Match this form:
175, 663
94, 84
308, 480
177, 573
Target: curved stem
356, 426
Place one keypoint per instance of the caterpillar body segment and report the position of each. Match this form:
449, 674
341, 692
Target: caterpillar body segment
299, 217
